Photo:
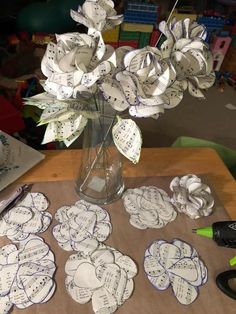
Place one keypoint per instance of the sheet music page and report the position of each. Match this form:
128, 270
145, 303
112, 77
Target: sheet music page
16, 158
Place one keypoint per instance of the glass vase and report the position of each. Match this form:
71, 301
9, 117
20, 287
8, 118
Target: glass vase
100, 178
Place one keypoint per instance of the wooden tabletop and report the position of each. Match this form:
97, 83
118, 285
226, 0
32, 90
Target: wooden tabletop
156, 164
60, 165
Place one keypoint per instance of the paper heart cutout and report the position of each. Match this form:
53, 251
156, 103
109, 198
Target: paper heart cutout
36, 287
85, 277
86, 220
185, 268
169, 254
34, 250
7, 275
109, 276
19, 215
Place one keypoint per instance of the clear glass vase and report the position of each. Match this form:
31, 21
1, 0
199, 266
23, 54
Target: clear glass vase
100, 178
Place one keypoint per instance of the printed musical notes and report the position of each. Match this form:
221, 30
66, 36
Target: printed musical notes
149, 207
99, 14
127, 138
4, 153
189, 54
191, 196
81, 227
26, 274
105, 276
175, 264
27, 217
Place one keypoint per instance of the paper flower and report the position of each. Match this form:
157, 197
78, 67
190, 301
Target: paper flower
97, 14
142, 82
81, 227
149, 207
145, 87
105, 276
189, 54
175, 264
27, 217
26, 274
191, 196
75, 63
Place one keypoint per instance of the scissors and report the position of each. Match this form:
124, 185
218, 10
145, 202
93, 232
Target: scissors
226, 282
14, 198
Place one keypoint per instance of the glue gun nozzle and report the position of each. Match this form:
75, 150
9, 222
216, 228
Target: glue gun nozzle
194, 230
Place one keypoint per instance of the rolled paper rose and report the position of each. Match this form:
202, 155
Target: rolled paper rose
191, 196
145, 86
75, 63
189, 54
98, 14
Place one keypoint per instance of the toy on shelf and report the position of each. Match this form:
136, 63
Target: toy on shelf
214, 24
141, 12
180, 15
219, 47
111, 35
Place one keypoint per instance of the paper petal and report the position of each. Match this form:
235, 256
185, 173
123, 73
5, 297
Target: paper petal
127, 138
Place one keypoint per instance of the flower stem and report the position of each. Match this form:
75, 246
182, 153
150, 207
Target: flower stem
98, 154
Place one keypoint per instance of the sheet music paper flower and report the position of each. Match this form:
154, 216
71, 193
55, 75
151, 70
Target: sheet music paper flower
141, 82
191, 196
189, 55
97, 14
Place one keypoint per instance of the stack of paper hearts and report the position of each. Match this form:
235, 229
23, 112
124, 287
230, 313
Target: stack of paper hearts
149, 207
175, 264
27, 217
81, 227
105, 276
191, 196
26, 274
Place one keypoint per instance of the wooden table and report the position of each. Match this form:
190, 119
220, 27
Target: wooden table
60, 165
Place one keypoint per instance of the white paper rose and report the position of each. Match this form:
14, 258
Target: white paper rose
75, 63
189, 54
97, 14
191, 196
146, 86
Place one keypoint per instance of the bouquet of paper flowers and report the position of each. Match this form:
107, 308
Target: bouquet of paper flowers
142, 82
